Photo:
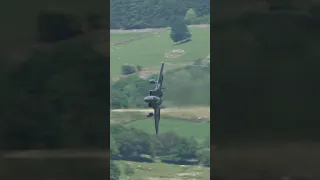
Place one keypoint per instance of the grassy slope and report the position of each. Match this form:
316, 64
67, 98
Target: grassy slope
118, 37
158, 171
149, 52
183, 121
181, 127
187, 113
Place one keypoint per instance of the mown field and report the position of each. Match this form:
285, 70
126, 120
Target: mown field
182, 121
183, 128
191, 113
162, 171
119, 37
150, 52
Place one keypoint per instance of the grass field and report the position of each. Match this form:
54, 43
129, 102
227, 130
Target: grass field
162, 171
183, 128
186, 113
118, 37
150, 52
183, 121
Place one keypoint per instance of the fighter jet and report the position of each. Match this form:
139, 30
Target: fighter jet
154, 99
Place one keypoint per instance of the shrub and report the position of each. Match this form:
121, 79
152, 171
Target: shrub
127, 69
139, 67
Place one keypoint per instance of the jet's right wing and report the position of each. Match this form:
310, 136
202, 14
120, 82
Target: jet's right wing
160, 78
157, 118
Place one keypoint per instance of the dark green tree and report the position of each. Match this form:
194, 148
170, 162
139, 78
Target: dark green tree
179, 31
170, 144
132, 143
187, 148
165, 143
118, 100
127, 69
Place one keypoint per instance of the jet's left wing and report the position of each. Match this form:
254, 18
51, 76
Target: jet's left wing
157, 118
160, 78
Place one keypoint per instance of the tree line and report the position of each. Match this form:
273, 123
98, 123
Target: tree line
138, 14
135, 145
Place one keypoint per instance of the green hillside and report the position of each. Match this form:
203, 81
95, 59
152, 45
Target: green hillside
182, 127
151, 51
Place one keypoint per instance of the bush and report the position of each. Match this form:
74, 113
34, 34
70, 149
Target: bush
127, 69
132, 143
139, 67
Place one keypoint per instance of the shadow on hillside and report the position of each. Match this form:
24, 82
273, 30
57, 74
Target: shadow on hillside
182, 42
134, 159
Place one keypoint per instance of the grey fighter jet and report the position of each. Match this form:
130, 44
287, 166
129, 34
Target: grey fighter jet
154, 99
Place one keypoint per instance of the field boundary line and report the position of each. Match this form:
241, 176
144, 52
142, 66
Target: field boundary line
138, 38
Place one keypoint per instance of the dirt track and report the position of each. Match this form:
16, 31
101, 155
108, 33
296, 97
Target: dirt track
152, 33
152, 29
192, 113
